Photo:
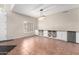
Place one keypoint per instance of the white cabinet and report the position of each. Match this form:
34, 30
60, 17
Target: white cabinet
45, 33
62, 35
59, 34
36, 32
77, 37
3, 27
41, 33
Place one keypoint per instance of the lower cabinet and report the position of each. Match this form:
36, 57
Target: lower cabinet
36, 32
71, 36
41, 33
77, 37
52, 34
45, 33
62, 35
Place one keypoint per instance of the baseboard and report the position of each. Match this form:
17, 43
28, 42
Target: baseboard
6, 40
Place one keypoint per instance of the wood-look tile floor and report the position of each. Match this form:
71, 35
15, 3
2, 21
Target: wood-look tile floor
37, 45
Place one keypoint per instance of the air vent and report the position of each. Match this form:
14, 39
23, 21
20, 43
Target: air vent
65, 12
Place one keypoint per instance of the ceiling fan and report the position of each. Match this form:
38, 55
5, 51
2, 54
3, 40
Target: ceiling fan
42, 15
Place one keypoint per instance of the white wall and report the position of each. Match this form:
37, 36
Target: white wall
61, 21
16, 25
3, 26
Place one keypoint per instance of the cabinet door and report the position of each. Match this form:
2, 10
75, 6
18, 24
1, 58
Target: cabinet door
45, 33
71, 36
36, 32
40, 32
77, 37
62, 35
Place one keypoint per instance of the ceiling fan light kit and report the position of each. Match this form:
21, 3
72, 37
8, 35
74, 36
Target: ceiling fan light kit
42, 16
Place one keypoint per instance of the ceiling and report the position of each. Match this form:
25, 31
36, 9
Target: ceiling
33, 10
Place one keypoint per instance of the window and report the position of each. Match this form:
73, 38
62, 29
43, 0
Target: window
28, 27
